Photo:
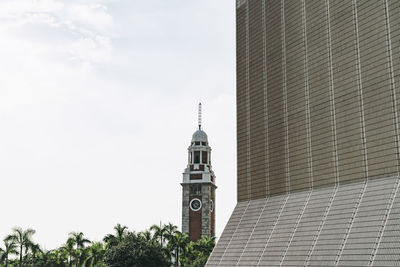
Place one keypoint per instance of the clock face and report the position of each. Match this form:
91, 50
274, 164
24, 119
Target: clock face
211, 205
195, 204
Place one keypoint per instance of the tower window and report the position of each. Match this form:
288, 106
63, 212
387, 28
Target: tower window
197, 157
197, 143
203, 143
195, 189
204, 157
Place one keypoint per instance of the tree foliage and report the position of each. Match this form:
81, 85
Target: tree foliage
23, 239
160, 245
10, 247
136, 251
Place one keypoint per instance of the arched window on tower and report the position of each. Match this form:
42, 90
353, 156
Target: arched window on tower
197, 157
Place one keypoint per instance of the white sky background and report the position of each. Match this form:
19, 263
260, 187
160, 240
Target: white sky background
98, 102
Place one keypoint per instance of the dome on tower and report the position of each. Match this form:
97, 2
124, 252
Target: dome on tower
200, 136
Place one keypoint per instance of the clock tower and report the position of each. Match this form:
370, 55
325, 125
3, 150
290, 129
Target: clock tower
198, 188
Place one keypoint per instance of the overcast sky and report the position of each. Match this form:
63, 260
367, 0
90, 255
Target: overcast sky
98, 102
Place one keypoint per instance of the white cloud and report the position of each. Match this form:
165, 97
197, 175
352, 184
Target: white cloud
73, 32
93, 15
12, 7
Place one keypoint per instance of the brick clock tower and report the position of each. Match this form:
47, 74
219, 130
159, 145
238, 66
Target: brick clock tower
198, 188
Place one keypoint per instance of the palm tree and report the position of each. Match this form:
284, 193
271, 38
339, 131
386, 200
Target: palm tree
182, 242
57, 256
35, 249
69, 250
10, 248
23, 239
83, 256
170, 230
120, 230
96, 253
112, 240
179, 244
44, 258
146, 235
80, 242
158, 232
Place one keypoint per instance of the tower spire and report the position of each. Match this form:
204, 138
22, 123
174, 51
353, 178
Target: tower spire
200, 116
198, 187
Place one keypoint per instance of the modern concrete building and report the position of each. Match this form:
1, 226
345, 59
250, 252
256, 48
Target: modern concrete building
198, 188
318, 102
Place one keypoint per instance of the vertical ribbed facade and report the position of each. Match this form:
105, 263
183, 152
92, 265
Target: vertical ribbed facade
317, 93
318, 135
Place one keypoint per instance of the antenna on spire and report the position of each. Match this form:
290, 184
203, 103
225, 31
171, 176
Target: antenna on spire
199, 116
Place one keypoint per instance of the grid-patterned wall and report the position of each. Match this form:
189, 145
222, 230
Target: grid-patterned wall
318, 93
353, 224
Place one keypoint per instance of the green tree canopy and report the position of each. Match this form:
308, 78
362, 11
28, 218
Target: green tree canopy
157, 246
136, 251
10, 248
23, 239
